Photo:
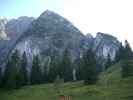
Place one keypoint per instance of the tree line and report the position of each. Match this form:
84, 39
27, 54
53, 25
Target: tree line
124, 56
18, 72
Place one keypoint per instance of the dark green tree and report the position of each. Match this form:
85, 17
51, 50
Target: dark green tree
88, 68
119, 53
108, 63
53, 69
45, 73
78, 69
127, 51
125, 68
0, 77
125, 62
6, 73
10, 79
23, 70
36, 73
66, 67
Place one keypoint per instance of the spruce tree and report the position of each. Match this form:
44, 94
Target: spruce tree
108, 63
78, 69
128, 51
119, 53
125, 62
66, 67
16, 63
53, 69
36, 73
88, 68
6, 73
45, 75
23, 70
10, 79
0, 77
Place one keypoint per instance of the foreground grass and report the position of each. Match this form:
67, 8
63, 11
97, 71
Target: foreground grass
109, 87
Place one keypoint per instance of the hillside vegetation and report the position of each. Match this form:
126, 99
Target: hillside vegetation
109, 87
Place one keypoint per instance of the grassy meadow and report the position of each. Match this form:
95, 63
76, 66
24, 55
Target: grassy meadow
109, 87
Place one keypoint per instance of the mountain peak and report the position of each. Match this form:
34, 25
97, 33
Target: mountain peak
89, 36
106, 36
48, 13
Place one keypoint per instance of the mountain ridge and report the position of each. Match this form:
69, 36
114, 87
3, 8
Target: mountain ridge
51, 32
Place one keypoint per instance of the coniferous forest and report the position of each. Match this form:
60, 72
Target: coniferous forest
16, 73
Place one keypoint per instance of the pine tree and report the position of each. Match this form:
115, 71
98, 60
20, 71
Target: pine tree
78, 69
118, 55
45, 75
19, 79
125, 62
36, 73
108, 63
128, 51
23, 70
16, 63
6, 73
53, 69
125, 68
66, 67
88, 68
0, 77
10, 79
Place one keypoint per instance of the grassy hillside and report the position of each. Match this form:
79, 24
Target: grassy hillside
109, 87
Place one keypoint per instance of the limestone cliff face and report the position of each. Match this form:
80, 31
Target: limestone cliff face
3, 22
105, 44
51, 34
10, 31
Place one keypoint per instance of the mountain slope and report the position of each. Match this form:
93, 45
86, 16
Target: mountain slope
104, 45
50, 34
3, 22
115, 86
11, 30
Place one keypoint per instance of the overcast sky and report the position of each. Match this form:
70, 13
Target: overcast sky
90, 16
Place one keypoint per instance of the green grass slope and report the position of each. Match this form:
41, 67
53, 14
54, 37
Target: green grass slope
109, 87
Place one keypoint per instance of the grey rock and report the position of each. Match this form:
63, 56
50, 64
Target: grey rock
105, 44
12, 29
51, 34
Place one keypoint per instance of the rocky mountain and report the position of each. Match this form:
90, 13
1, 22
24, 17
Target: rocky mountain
104, 45
10, 31
3, 22
50, 34
15, 27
